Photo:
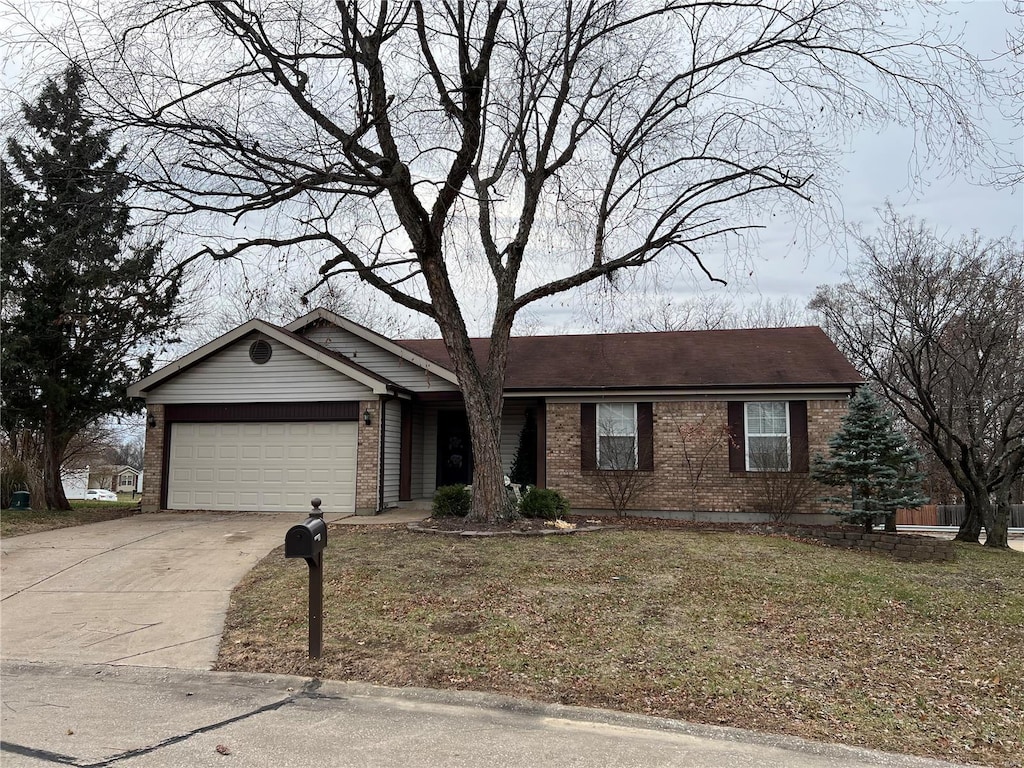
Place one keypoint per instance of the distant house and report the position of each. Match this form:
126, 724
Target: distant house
119, 479
266, 417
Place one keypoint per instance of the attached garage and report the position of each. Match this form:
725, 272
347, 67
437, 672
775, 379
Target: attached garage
262, 467
263, 420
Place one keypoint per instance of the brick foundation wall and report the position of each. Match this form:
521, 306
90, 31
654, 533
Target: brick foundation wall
153, 461
691, 459
368, 459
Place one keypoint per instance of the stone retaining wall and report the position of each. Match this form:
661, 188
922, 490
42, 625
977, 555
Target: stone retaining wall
902, 546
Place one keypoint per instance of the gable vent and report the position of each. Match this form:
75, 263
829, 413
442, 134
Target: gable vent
260, 351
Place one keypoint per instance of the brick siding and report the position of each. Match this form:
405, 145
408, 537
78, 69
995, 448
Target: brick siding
153, 461
672, 486
367, 459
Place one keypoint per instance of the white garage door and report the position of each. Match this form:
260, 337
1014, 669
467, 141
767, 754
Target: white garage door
263, 467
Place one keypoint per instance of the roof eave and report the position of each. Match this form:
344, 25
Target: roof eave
395, 348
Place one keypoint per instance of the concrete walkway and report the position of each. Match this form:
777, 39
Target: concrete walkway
149, 590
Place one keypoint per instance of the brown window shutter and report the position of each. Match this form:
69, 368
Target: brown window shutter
737, 463
645, 436
800, 459
588, 436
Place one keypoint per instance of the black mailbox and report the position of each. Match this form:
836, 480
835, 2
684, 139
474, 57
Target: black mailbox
307, 539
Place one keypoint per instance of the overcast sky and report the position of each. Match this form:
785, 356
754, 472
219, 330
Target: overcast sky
878, 169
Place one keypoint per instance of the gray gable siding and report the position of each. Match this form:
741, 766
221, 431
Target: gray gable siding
380, 361
392, 450
230, 376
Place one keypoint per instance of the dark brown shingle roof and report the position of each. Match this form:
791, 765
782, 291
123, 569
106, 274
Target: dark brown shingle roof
764, 357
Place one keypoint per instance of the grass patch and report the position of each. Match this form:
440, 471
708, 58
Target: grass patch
753, 632
17, 522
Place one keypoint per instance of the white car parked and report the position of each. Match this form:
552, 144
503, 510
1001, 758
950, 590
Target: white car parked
100, 494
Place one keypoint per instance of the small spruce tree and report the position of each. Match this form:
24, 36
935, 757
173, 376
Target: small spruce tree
524, 463
872, 462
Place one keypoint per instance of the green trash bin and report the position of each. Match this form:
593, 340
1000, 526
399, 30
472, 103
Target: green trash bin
19, 500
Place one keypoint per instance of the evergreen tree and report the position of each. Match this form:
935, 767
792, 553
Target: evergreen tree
524, 464
83, 307
872, 462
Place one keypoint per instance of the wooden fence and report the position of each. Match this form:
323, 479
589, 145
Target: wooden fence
949, 514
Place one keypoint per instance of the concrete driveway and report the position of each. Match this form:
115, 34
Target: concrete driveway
149, 590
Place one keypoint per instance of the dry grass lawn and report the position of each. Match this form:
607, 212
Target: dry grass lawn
17, 522
754, 632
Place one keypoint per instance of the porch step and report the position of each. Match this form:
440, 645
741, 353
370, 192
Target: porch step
415, 505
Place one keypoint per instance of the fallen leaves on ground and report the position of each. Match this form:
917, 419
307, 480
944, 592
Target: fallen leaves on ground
723, 628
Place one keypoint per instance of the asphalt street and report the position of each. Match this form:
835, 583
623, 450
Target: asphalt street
99, 716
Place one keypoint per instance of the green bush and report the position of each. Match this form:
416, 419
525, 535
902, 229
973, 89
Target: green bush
544, 503
452, 501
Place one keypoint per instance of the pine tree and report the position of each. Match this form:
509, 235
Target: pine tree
872, 462
524, 464
83, 306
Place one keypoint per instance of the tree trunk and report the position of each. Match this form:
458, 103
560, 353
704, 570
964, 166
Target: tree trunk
890, 523
53, 452
488, 476
998, 523
970, 528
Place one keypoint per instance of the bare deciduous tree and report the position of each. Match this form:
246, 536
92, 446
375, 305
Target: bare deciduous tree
714, 312
536, 146
622, 476
781, 492
701, 442
939, 326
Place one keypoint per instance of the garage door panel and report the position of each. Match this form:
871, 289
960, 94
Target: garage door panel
262, 467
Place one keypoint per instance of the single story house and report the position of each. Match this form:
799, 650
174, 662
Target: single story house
266, 417
117, 478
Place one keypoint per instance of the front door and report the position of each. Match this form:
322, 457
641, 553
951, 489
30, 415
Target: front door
454, 453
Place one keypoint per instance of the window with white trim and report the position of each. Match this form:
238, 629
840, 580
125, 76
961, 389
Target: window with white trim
766, 429
616, 436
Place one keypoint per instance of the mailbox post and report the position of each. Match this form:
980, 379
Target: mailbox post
308, 540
